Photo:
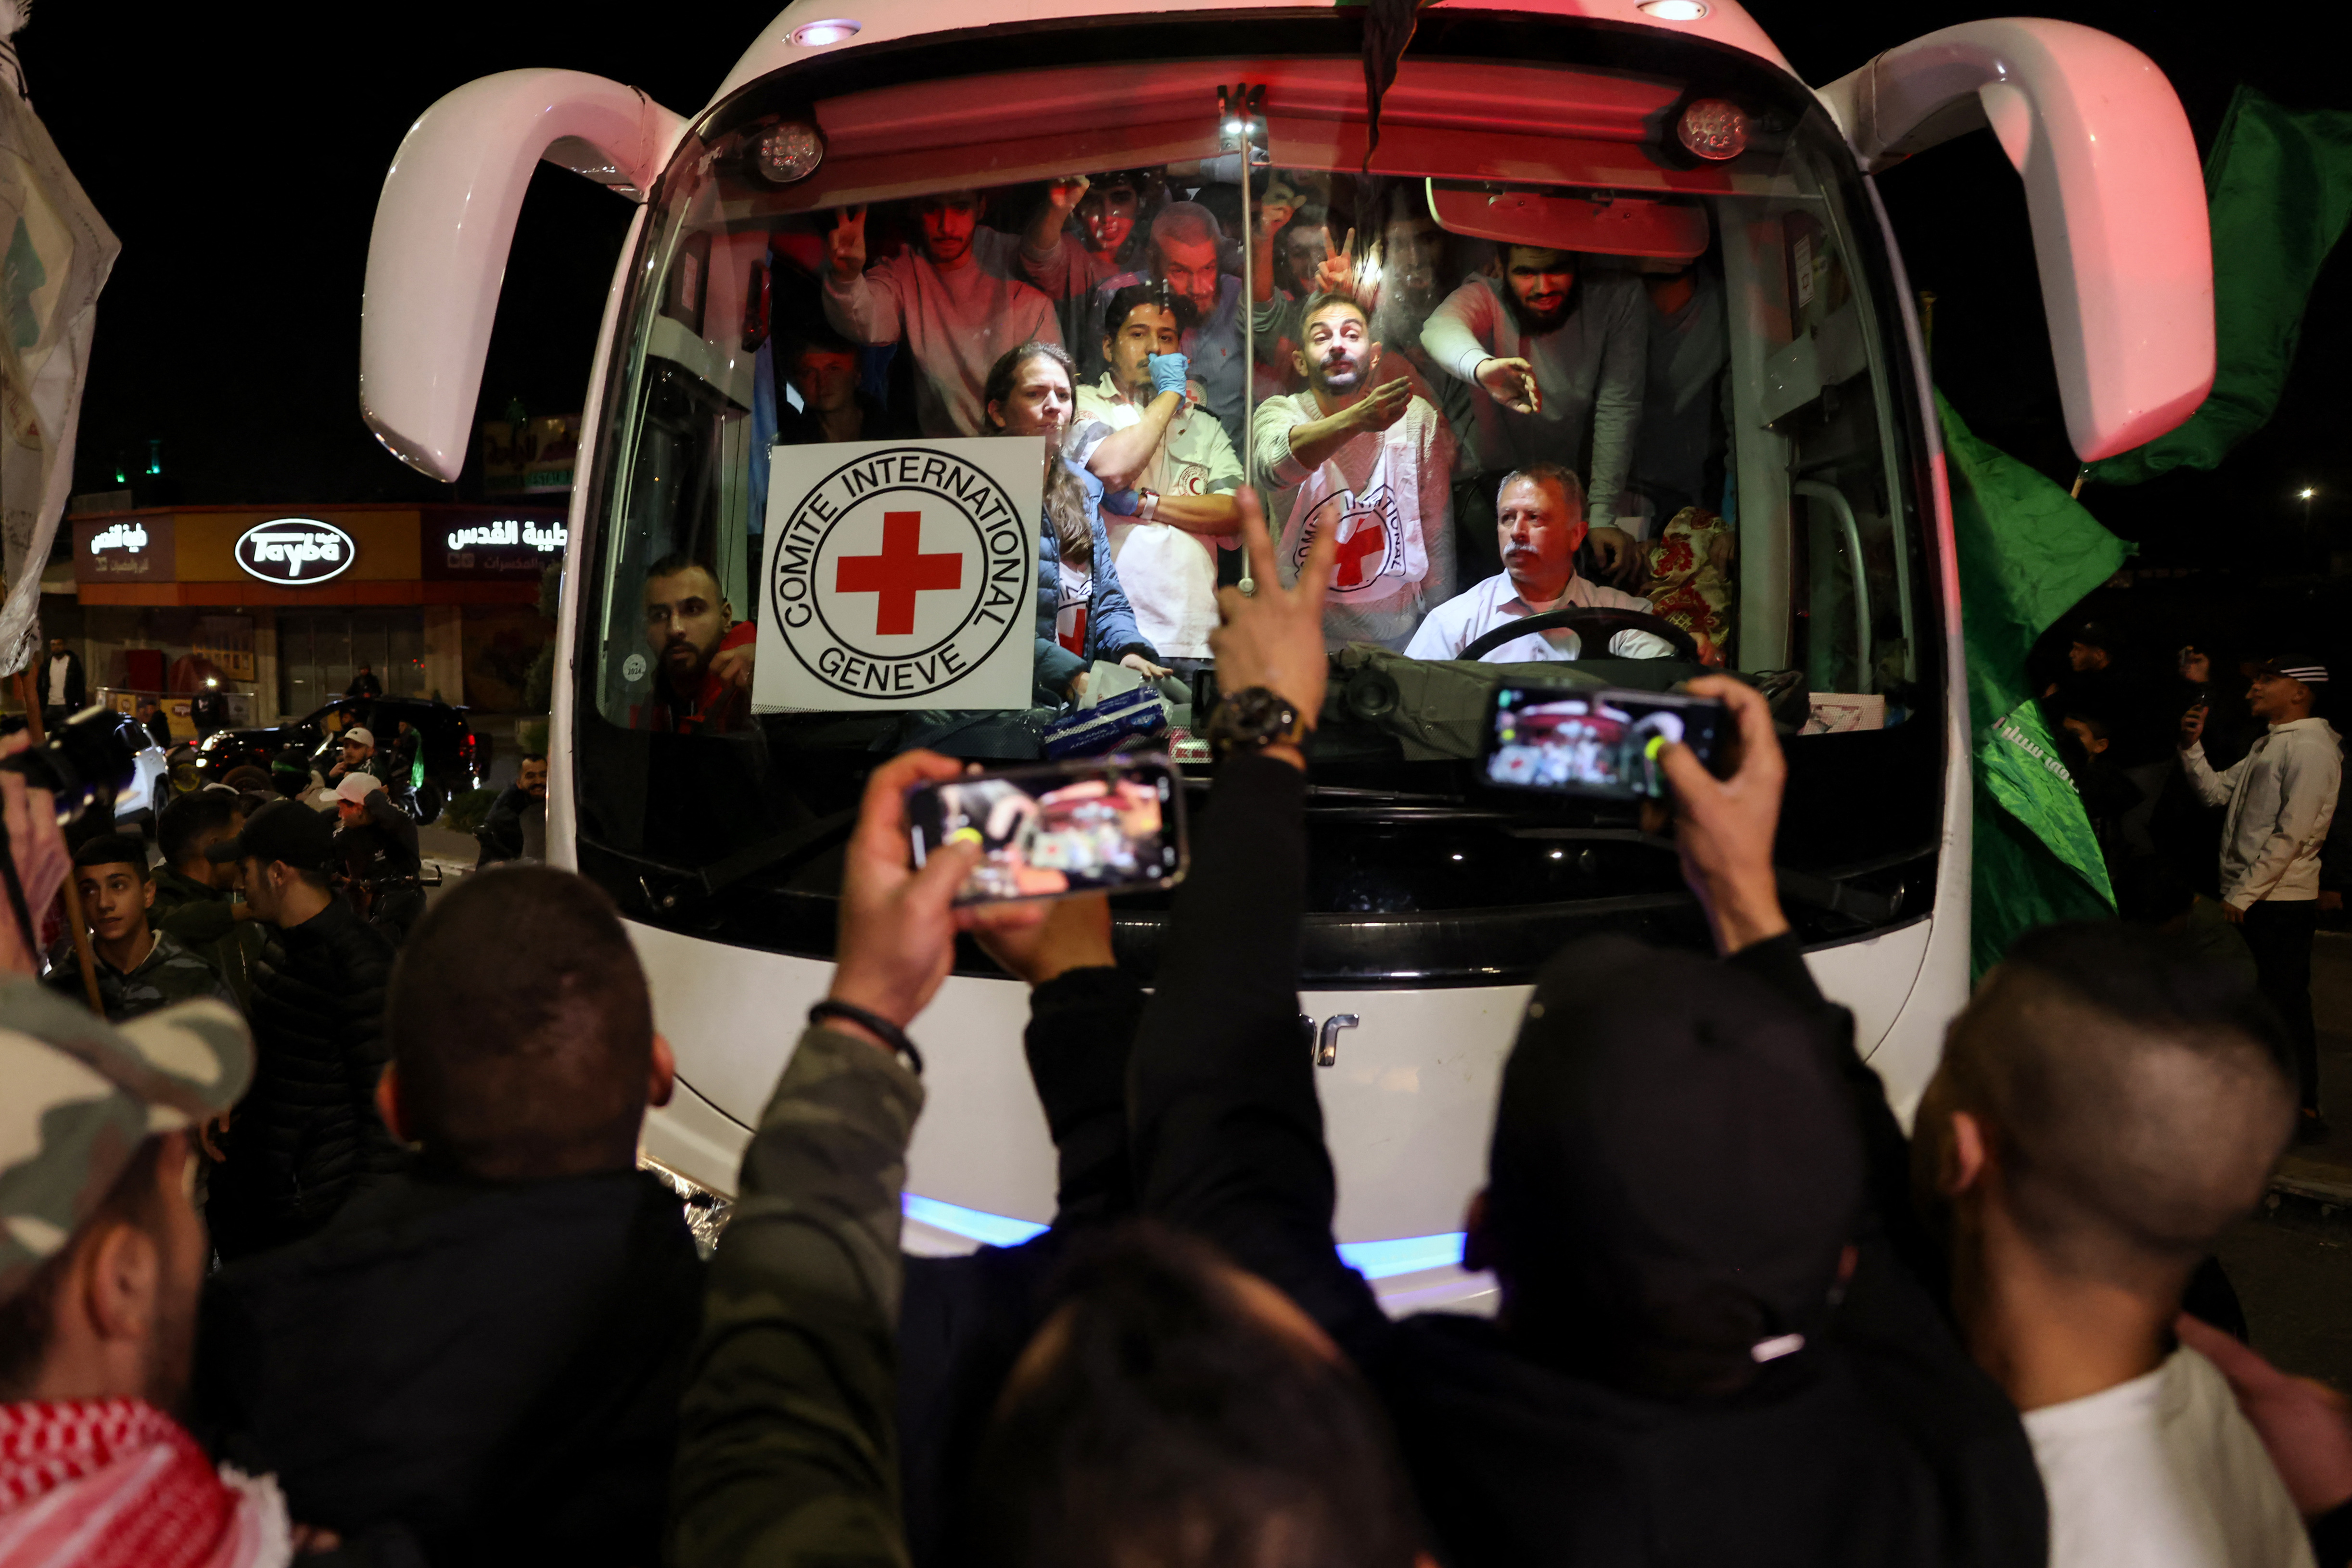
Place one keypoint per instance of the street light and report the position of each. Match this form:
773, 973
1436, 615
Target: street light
2305, 495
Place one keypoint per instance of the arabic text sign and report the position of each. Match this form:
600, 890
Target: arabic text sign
295, 552
901, 574
125, 549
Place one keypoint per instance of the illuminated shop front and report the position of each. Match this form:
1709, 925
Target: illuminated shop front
280, 605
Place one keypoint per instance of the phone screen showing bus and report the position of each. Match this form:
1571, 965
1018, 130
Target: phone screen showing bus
1594, 741
1081, 827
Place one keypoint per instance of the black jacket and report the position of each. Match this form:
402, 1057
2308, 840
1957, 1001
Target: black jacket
77, 686
500, 835
962, 1322
493, 1370
380, 862
307, 1133
1885, 1446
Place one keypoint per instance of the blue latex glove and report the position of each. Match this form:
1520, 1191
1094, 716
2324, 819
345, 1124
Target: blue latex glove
1167, 374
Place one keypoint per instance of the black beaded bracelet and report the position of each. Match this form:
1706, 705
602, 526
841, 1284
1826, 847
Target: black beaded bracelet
889, 1033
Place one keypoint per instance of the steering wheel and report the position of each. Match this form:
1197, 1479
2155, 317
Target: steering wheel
1588, 622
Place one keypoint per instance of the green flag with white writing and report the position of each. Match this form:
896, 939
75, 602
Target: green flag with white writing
2027, 553
2278, 190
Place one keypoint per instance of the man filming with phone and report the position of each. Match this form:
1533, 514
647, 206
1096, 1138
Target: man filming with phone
1539, 523
2282, 797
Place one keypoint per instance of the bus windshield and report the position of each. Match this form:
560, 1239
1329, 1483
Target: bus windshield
1583, 338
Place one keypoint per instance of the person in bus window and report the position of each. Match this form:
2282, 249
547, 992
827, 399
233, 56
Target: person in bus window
1187, 245
956, 302
702, 655
1403, 288
1549, 347
1540, 521
1087, 232
1172, 472
1368, 460
821, 367
1082, 610
1679, 457
1295, 258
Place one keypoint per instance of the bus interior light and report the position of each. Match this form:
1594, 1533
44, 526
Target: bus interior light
1713, 127
1675, 10
817, 35
791, 151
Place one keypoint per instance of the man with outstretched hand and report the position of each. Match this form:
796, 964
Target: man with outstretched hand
1710, 1346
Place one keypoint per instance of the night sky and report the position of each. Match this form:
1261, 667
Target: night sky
243, 189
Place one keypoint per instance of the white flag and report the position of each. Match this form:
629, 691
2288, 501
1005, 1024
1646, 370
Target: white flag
55, 254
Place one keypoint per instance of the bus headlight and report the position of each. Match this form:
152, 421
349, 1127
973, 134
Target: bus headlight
791, 151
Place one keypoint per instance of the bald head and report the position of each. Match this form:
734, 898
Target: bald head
2129, 1095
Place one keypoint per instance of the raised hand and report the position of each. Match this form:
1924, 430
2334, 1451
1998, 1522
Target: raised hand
1723, 827
897, 924
38, 846
1336, 274
1063, 195
1075, 934
2192, 726
1512, 384
1385, 404
1273, 637
845, 244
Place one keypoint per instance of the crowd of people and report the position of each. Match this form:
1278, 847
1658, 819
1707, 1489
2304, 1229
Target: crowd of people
440, 1317
1410, 395
2213, 802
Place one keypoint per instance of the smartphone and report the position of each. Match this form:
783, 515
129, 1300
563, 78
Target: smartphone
1594, 741
1090, 824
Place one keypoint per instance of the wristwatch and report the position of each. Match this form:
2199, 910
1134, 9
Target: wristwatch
1251, 720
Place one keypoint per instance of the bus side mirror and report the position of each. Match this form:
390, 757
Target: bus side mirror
2112, 184
443, 226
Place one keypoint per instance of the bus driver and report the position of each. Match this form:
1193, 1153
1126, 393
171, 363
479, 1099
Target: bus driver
1539, 521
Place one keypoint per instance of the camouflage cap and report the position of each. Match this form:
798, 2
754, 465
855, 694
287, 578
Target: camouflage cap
78, 1095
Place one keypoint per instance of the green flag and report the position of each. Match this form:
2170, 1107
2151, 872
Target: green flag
2027, 553
2278, 186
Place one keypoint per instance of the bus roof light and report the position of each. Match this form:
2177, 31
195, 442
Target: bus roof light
1715, 129
791, 151
1675, 10
817, 35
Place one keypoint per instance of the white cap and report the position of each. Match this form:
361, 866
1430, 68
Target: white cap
357, 787
360, 733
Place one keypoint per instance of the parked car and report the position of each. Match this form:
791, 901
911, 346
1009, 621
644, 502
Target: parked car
149, 789
138, 804
455, 758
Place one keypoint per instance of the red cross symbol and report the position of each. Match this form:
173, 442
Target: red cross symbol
899, 573
1368, 540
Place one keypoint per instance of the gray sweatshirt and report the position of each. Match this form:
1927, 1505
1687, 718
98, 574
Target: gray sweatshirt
1592, 365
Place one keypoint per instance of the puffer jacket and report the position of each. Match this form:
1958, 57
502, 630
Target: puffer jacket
1111, 631
307, 1135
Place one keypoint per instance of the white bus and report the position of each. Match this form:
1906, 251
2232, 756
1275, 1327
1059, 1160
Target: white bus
1780, 428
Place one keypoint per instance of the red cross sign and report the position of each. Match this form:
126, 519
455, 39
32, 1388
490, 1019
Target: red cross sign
897, 576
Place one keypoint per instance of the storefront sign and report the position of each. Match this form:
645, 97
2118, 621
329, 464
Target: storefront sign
546, 538
123, 550
295, 552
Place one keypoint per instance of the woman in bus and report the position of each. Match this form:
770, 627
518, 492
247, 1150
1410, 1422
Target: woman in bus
1082, 612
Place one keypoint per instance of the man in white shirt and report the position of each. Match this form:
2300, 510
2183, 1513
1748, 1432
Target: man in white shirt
1552, 347
2106, 1106
2282, 798
1169, 472
1539, 521
1373, 463
958, 302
